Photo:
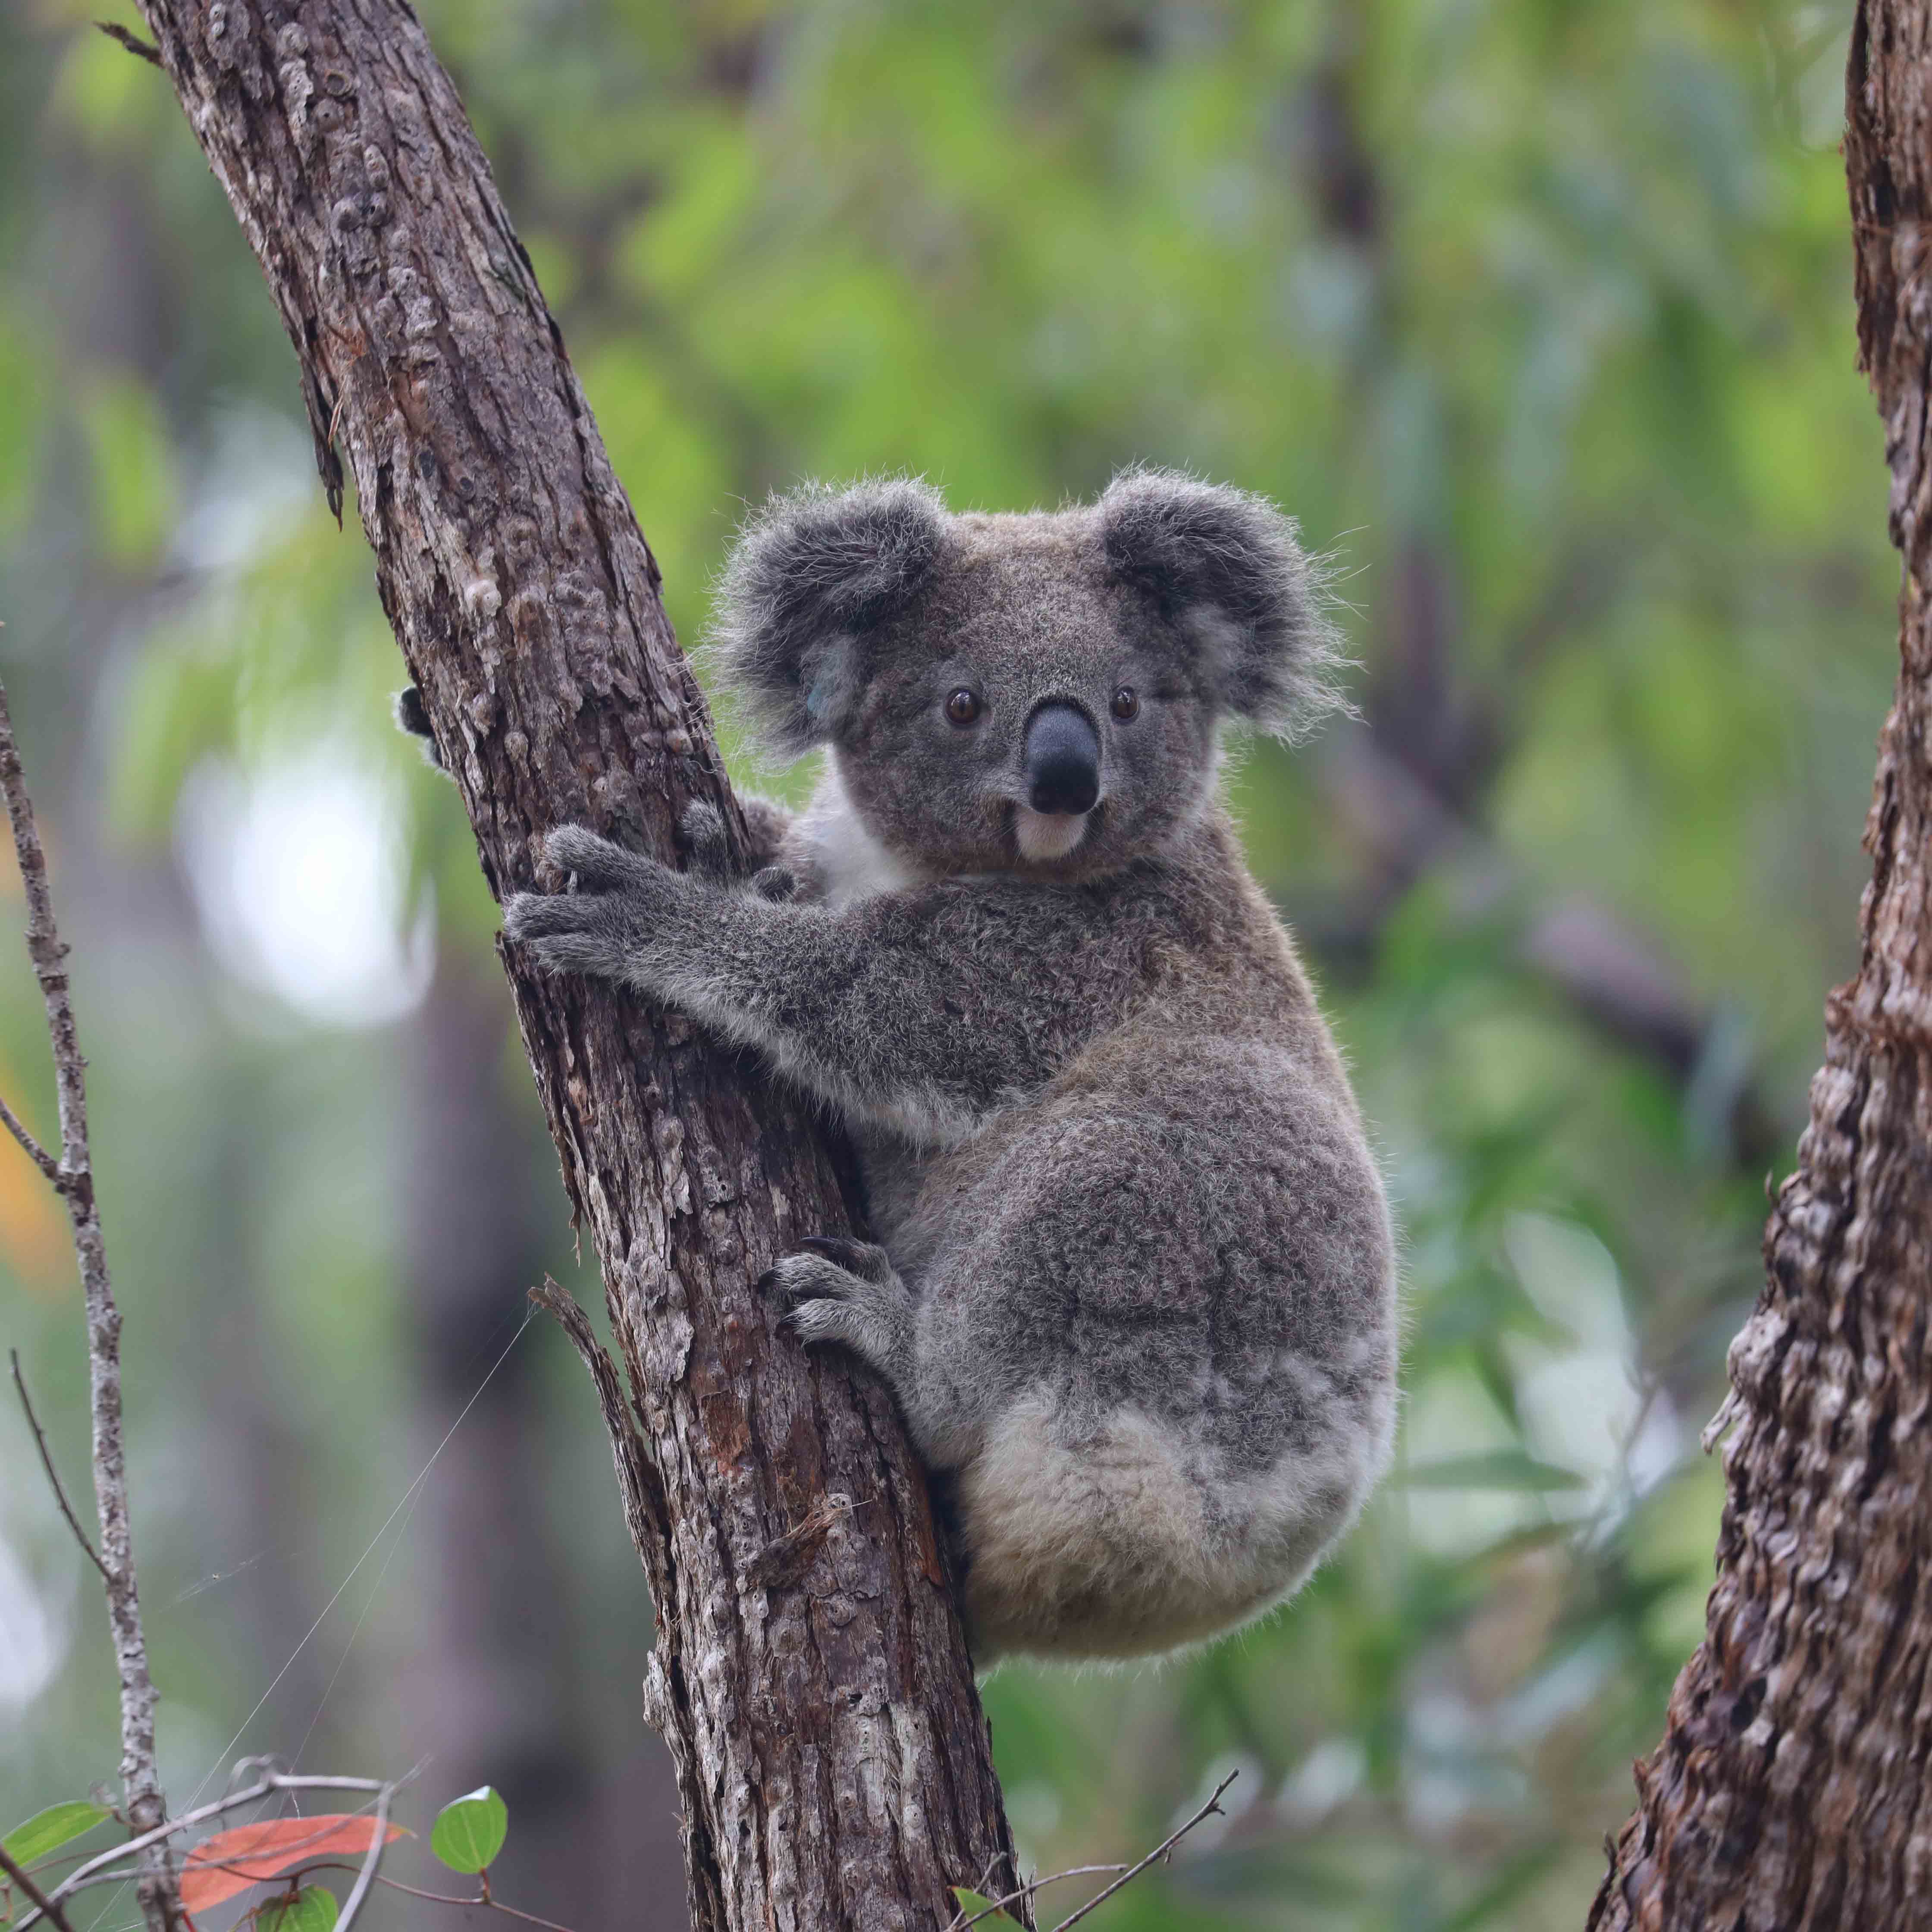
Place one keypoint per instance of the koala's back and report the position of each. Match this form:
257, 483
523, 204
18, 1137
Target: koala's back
1156, 1301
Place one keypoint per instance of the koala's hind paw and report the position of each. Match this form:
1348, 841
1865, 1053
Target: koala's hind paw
865, 1259
847, 1291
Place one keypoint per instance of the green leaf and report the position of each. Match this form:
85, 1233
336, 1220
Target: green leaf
312, 1909
469, 1831
970, 1902
47, 1831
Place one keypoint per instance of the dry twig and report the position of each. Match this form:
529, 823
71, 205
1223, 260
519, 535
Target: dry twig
366, 1877
48, 1909
959, 1922
140, 1781
141, 49
1163, 1851
53, 1475
97, 1870
34, 1152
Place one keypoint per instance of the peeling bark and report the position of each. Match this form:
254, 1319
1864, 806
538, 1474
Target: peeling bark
832, 1758
1791, 1790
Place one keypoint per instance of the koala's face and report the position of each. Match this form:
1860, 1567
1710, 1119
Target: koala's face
1025, 710
1040, 694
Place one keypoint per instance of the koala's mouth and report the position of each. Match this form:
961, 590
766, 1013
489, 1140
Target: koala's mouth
1043, 836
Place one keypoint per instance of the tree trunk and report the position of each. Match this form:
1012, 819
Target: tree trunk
810, 1676
1792, 1789
501, 1689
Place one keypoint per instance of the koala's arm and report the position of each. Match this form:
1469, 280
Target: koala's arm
924, 1010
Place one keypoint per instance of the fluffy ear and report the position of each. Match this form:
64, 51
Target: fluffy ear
1228, 567
814, 570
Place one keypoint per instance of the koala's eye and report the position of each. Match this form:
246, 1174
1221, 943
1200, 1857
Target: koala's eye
962, 707
1126, 703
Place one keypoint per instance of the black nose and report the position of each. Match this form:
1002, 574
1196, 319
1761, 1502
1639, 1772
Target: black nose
1063, 761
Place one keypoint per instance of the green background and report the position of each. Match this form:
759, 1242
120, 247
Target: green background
1536, 312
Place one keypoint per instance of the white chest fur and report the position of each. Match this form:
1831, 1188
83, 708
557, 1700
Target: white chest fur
834, 847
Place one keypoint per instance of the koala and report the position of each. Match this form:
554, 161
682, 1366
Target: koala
1133, 1284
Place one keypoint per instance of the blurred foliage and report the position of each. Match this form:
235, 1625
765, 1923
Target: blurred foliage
1536, 311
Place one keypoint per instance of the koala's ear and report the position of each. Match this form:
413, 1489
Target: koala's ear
813, 571
1228, 567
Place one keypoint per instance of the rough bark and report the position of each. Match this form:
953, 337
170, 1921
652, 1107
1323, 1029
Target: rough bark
1792, 1789
501, 1688
832, 1758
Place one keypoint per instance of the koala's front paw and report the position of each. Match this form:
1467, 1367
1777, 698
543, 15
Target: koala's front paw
599, 923
847, 1291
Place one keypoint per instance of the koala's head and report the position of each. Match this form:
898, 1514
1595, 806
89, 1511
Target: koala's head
1039, 693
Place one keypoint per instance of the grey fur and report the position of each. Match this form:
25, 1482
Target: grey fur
1135, 1286
811, 571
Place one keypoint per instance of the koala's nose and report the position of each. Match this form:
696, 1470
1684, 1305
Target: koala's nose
1063, 759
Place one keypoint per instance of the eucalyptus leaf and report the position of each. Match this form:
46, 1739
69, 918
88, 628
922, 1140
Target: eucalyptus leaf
47, 1831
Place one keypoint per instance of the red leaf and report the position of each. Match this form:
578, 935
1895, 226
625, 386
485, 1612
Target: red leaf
231, 1862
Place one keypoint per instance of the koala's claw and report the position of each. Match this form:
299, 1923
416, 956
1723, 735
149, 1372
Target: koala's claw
865, 1259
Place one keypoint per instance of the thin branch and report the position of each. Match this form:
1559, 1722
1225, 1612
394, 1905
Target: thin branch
34, 1152
1210, 1809
638, 1482
366, 1877
145, 50
95, 1871
51, 1913
477, 1904
1027, 1891
140, 1781
53, 1475
489, 1904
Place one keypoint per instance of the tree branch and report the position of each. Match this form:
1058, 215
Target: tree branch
832, 1757
34, 1152
48, 1909
366, 1877
53, 1475
140, 1781
1162, 1850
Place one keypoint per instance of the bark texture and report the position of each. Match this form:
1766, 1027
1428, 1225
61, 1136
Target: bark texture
831, 1755
1793, 1788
